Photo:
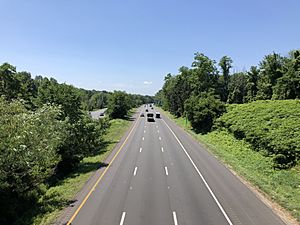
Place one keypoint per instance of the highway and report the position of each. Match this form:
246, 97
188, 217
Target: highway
161, 176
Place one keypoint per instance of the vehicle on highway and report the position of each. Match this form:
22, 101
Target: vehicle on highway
150, 117
146, 110
142, 115
157, 115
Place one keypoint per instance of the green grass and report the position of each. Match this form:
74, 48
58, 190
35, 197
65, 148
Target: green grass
59, 196
282, 186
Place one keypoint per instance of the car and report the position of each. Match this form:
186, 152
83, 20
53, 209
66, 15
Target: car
146, 110
142, 115
157, 115
150, 117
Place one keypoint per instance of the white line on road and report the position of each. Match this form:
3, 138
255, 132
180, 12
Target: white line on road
157, 131
135, 170
175, 218
159, 138
201, 176
166, 169
122, 218
143, 138
144, 131
141, 149
162, 149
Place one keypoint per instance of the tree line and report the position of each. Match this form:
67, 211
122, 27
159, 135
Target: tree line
201, 91
45, 131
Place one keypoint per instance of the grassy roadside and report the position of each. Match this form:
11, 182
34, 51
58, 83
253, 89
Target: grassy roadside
59, 196
282, 186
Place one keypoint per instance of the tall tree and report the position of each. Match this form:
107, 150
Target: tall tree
9, 85
272, 68
288, 86
225, 64
237, 88
252, 79
204, 74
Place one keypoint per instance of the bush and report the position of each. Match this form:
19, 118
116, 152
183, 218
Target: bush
270, 126
28, 154
202, 111
83, 138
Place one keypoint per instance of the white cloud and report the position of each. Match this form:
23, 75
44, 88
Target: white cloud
147, 82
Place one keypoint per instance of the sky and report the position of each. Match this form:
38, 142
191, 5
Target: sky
131, 45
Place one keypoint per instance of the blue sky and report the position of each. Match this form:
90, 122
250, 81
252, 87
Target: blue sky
132, 44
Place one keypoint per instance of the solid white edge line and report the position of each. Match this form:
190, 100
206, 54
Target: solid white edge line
175, 218
141, 149
201, 176
162, 149
135, 169
166, 169
122, 218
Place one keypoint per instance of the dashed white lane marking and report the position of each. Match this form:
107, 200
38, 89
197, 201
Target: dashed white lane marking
162, 149
122, 218
144, 131
166, 169
143, 138
157, 131
159, 138
135, 170
141, 149
201, 176
175, 218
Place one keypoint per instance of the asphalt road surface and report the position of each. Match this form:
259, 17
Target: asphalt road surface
161, 176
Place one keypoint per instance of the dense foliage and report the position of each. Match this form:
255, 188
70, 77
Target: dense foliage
203, 110
200, 92
28, 153
270, 126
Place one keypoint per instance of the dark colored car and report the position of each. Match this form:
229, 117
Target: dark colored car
150, 117
142, 115
157, 115
146, 110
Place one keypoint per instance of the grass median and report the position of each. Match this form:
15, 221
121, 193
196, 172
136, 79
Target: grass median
59, 196
280, 186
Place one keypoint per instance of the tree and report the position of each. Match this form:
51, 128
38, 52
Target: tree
202, 110
225, 64
9, 85
272, 68
237, 88
288, 86
67, 96
252, 79
118, 104
204, 74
